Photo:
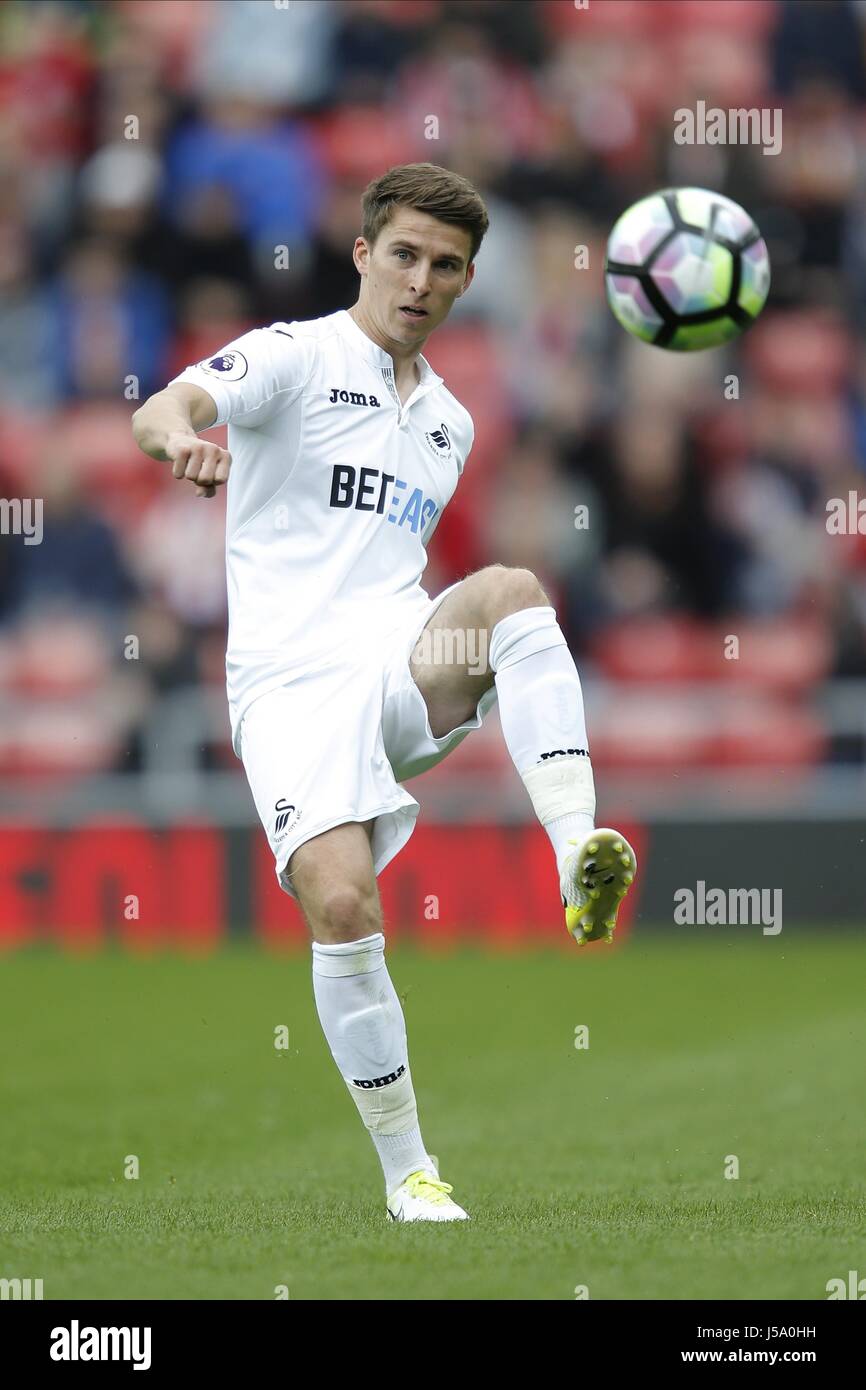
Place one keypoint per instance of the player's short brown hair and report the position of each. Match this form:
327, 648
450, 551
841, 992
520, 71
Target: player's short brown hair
426, 188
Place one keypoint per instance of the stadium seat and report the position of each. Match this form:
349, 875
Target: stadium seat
641, 730
57, 657
468, 353
646, 730
358, 141
805, 353
669, 648
97, 442
195, 344
626, 17
65, 740
789, 655
767, 733
23, 439
714, 17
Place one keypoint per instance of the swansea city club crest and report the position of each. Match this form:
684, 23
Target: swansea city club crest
440, 441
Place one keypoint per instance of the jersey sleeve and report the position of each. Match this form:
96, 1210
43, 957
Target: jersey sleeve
255, 376
464, 438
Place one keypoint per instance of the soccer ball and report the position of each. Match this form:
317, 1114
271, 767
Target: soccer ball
686, 269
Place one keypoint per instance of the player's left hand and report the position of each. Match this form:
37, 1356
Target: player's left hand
198, 461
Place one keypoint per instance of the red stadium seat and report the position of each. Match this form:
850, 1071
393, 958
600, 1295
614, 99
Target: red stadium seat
768, 734
57, 658
802, 354
626, 17
789, 654
748, 19
195, 344
95, 441
785, 654
23, 440
67, 739
655, 649
641, 730
467, 353
358, 142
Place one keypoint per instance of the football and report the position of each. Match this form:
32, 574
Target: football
686, 269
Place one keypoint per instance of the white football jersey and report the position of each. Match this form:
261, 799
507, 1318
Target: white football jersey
334, 491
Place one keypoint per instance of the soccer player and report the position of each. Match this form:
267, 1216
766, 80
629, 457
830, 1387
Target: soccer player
344, 677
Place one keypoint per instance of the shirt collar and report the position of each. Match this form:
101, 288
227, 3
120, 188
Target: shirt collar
377, 355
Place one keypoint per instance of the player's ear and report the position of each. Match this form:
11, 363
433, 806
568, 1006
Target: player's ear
361, 255
470, 273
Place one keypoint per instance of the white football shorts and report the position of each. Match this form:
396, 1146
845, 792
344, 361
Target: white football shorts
334, 745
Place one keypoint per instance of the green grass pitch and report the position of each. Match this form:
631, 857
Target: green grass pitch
601, 1167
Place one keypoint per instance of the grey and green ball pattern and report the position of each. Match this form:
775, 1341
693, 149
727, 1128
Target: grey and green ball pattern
686, 269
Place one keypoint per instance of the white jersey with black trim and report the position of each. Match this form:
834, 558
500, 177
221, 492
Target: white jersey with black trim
334, 492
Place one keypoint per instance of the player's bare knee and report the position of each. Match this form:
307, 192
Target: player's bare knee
511, 589
345, 912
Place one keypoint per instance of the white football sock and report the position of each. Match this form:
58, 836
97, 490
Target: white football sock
363, 1022
543, 721
565, 829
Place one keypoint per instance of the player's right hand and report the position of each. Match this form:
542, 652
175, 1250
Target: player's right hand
198, 461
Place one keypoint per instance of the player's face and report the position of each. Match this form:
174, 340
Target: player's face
416, 263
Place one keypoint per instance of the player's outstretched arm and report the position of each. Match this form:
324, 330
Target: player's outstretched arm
166, 426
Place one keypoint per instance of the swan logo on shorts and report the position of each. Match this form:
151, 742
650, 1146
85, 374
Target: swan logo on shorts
284, 815
231, 366
440, 441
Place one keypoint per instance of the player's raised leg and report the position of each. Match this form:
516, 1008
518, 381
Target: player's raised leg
511, 632
361, 1015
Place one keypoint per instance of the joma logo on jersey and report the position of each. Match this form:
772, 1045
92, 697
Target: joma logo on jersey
380, 1080
351, 397
366, 489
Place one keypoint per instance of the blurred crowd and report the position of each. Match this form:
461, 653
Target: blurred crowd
154, 154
